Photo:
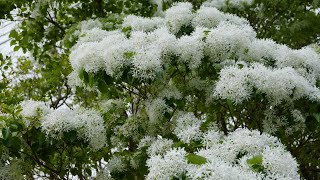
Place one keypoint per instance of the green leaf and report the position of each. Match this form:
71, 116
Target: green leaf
14, 127
13, 34
88, 171
15, 143
129, 54
91, 80
256, 163
179, 144
240, 66
16, 48
83, 75
255, 160
317, 116
196, 159
127, 31
70, 136
13, 42
102, 87
6, 133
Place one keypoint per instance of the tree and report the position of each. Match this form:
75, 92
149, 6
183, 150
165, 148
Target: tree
177, 94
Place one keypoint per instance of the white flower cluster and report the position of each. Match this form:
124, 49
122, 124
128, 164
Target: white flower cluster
240, 141
171, 164
116, 51
155, 110
188, 48
138, 23
217, 169
90, 24
278, 84
262, 50
227, 40
146, 141
95, 56
88, 124
188, 128
31, 109
178, 16
229, 157
116, 164
159, 146
111, 51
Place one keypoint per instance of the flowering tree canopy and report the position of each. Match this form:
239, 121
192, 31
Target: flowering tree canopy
189, 93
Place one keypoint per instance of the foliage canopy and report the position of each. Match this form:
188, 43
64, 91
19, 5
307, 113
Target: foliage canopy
161, 90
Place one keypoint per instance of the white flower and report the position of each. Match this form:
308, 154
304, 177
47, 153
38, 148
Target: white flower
94, 35
113, 52
155, 110
178, 15
279, 164
236, 20
211, 138
208, 17
278, 84
305, 58
243, 141
88, 124
217, 169
146, 141
138, 23
171, 164
90, 24
262, 50
233, 84
228, 40
116, 164
227, 158
88, 57
148, 50
105, 54
188, 127
32, 108
74, 80
147, 62
190, 48
159, 147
